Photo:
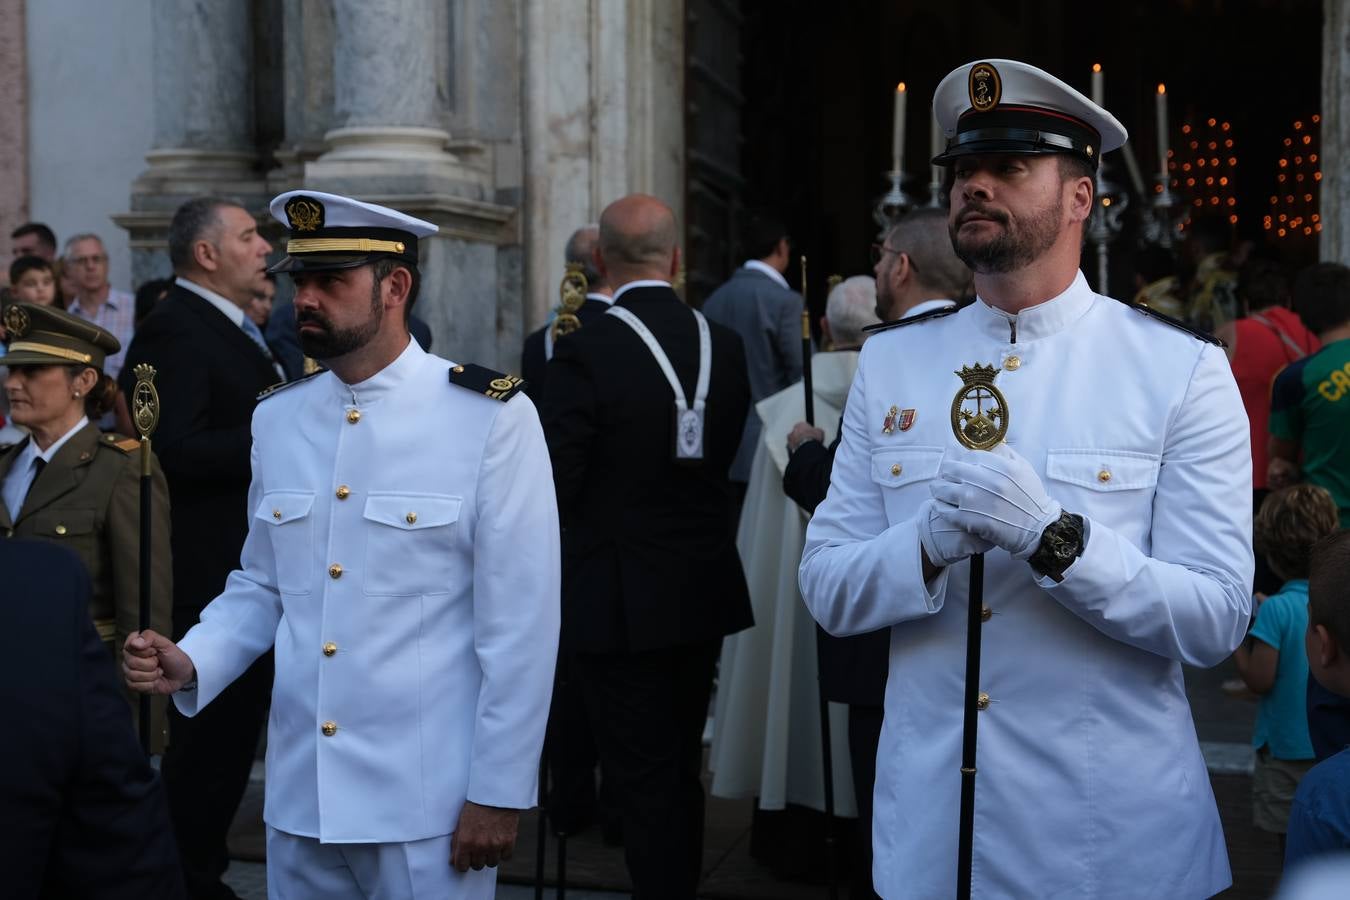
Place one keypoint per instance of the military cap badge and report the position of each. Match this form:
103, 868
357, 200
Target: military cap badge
305, 213
16, 321
986, 88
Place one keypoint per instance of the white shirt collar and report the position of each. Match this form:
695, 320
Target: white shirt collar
1041, 320
364, 393
640, 283
607, 300
759, 266
30, 452
927, 306
234, 313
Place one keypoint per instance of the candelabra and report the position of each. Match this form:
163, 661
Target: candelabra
1105, 224
1161, 225
893, 204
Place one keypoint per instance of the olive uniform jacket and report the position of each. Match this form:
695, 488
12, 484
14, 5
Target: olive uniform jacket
88, 500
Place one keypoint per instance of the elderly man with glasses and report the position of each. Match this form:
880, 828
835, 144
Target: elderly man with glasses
86, 263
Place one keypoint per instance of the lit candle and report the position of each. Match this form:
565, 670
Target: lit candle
898, 130
1162, 135
939, 144
1098, 92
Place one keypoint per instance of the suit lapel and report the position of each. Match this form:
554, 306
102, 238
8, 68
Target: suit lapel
231, 333
64, 473
6, 463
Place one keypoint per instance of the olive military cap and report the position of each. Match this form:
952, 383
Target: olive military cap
45, 336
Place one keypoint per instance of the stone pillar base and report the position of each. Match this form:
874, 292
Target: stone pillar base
396, 160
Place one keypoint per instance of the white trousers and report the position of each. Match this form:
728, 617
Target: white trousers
301, 868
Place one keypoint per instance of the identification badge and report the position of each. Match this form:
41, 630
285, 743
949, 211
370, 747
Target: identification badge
688, 433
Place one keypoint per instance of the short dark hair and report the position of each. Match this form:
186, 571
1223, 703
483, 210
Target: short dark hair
1290, 522
45, 234
381, 269
1262, 283
1322, 296
191, 222
761, 234
25, 264
1329, 586
1072, 166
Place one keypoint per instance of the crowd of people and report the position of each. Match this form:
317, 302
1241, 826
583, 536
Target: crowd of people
337, 519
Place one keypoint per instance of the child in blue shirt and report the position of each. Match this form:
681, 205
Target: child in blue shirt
1272, 660
1319, 820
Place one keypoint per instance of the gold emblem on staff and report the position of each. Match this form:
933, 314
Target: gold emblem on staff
572, 295
145, 400
979, 410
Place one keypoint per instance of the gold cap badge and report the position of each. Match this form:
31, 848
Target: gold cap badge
16, 321
305, 214
986, 87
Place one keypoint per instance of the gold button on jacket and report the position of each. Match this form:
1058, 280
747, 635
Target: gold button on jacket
343, 492
334, 571
353, 416
329, 729
1104, 476
982, 702
329, 648
1012, 363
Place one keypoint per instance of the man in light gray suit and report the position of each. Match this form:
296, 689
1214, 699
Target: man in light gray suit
759, 306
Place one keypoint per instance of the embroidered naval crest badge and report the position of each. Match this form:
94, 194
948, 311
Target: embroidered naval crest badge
304, 213
906, 419
979, 410
986, 87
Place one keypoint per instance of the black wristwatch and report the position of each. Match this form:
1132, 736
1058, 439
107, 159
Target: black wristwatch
1061, 544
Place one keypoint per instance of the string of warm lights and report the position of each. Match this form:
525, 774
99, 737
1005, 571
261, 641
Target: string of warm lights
1203, 168
1294, 208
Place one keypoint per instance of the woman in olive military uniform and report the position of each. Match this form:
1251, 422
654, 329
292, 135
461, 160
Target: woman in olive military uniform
72, 485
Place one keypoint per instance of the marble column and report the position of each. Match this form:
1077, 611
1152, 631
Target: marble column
203, 133
308, 27
387, 143
13, 121
1335, 185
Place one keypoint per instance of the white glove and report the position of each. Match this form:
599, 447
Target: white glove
997, 496
944, 542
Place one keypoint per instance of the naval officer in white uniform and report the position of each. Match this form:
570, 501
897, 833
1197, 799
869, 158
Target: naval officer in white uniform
1115, 518
402, 559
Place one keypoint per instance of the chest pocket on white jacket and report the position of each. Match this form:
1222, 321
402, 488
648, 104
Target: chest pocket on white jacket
1113, 486
903, 474
291, 530
410, 542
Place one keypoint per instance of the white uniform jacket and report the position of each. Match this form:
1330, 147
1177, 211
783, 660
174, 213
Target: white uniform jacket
403, 560
1091, 783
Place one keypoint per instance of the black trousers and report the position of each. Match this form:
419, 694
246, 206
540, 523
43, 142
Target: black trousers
647, 712
206, 770
864, 735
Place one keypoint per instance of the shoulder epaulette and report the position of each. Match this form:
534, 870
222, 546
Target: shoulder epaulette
489, 383
914, 320
1175, 323
281, 386
125, 444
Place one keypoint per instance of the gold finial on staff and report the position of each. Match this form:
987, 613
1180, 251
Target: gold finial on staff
145, 408
572, 294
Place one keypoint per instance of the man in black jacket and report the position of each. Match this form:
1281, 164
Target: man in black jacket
651, 578
212, 363
84, 814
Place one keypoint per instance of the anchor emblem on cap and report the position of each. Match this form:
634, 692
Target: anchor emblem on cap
986, 87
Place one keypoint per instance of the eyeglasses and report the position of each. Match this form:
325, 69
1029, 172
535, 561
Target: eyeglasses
97, 259
879, 250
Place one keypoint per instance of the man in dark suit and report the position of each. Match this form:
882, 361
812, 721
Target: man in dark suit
759, 306
212, 363
84, 814
651, 578
538, 349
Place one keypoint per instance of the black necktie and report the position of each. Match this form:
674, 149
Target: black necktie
38, 465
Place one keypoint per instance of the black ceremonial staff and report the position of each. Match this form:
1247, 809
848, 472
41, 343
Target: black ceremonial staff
145, 416
979, 429
826, 751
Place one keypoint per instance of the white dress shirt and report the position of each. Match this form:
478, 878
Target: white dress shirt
1091, 783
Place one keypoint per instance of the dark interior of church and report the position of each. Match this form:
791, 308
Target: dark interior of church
789, 108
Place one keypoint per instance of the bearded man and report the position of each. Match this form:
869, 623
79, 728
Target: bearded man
1113, 511
390, 498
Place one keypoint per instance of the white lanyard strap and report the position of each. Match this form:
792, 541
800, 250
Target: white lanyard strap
704, 355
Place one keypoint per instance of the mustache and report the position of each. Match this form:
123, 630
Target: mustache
983, 212
311, 318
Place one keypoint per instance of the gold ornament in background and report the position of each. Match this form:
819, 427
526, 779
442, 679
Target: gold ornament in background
572, 294
983, 427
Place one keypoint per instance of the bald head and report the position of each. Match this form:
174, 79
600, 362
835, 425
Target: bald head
637, 240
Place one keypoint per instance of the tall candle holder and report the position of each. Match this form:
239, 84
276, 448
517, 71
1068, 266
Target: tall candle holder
893, 204
1105, 223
